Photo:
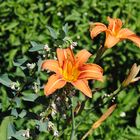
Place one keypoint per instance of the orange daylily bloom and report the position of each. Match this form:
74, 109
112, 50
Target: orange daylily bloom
114, 32
72, 69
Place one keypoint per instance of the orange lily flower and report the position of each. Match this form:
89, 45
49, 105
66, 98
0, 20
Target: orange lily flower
114, 32
72, 69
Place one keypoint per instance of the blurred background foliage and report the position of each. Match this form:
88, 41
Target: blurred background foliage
24, 21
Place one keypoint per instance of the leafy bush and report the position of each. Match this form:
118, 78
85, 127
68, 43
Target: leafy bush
26, 28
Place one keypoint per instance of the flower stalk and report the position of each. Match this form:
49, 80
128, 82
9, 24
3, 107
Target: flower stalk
100, 120
99, 54
73, 121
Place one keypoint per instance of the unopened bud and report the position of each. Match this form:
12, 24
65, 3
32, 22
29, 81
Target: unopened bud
131, 78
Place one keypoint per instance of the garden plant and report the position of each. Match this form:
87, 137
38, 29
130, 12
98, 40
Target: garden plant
69, 70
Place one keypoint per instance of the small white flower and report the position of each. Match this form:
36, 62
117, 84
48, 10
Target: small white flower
35, 87
26, 133
50, 125
74, 44
64, 116
56, 134
47, 3
15, 85
31, 65
78, 37
46, 47
72, 47
42, 114
85, 13
53, 105
59, 14
44, 55
55, 58
53, 113
122, 114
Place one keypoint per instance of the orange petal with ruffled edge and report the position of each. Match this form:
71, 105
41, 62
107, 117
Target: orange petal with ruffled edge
111, 40
91, 71
82, 57
128, 34
115, 25
51, 65
54, 82
97, 28
82, 85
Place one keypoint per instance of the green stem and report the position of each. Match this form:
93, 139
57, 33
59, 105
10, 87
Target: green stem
114, 94
73, 120
99, 54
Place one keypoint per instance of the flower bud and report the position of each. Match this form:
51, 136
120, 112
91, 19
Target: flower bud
131, 78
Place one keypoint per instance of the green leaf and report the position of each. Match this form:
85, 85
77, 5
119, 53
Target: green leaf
14, 112
19, 135
65, 28
20, 62
22, 114
0, 106
42, 125
4, 128
4, 79
138, 120
36, 46
12, 25
52, 32
29, 97
18, 101
134, 131
11, 130
39, 63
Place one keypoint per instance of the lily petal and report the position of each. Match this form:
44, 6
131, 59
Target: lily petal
69, 54
54, 83
51, 65
82, 57
63, 54
82, 85
91, 71
111, 40
60, 56
114, 24
128, 34
97, 28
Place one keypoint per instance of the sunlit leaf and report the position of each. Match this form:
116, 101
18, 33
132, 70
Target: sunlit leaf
4, 127
29, 97
14, 112
23, 113
42, 125
20, 62
4, 79
65, 28
52, 32
36, 47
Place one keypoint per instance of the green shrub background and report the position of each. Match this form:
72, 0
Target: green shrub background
23, 21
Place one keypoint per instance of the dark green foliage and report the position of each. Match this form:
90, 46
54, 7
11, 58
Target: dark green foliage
26, 26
